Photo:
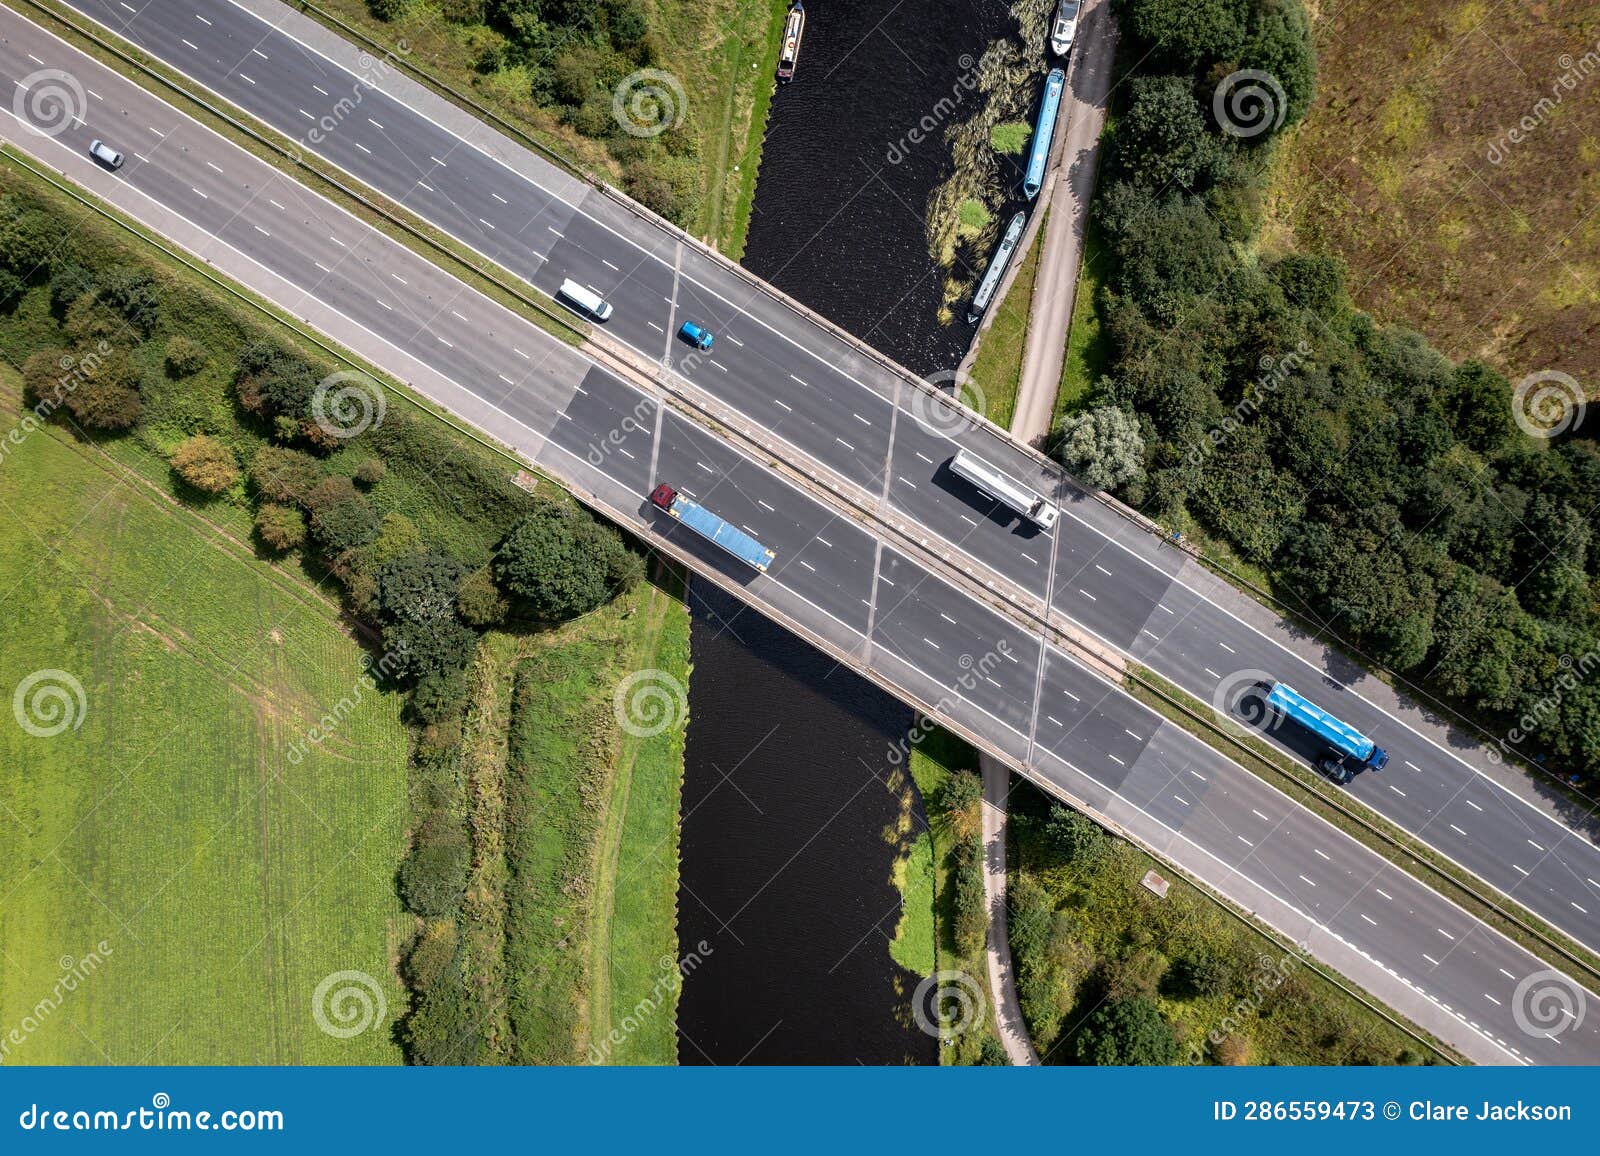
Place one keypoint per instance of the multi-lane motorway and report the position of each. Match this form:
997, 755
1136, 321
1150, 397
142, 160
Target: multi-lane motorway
826, 399
847, 586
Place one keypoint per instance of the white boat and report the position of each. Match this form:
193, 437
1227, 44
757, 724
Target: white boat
1065, 27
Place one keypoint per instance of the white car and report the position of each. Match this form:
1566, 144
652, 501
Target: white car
105, 154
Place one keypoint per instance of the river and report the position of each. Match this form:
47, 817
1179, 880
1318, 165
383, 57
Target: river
841, 200
786, 871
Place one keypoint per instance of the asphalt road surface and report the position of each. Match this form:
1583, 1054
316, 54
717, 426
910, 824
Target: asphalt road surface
953, 655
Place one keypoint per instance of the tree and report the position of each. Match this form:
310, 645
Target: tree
1103, 447
992, 1054
280, 528
206, 464
1162, 139
1188, 35
100, 390
29, 239
420, 588
68, 282
961, 799
1126, 1032
1200, 971
131, 292
1280, 45
341, 518
1477, 403
12, 288
271, 381
560, 563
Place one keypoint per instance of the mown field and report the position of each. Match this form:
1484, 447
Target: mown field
226, 877
1407, 169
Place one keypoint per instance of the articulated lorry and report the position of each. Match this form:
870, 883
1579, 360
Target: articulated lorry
718, 530
1343, 741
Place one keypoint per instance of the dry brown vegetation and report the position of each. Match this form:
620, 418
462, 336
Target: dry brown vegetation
1409, 169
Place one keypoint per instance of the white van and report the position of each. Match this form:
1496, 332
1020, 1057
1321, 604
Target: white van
584, 300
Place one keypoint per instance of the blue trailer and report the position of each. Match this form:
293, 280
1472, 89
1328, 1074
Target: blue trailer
1343, 740
1043, 132
718, 530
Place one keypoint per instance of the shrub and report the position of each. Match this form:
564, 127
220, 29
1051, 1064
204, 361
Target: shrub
68, 282
1103, 447
1162, 139
1077, 838
479, 600
433, 877
341, 518
280, 528
1125, 1032
971, 907
206, 464
131, 292
184, 356
12, 288
101, 391
284, 475
387, 10
370, 472
1202, 970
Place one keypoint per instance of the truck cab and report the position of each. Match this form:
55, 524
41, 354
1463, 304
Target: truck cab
663, 496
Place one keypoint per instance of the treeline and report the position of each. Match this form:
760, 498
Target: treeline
1392, 494
424, 532
580, 59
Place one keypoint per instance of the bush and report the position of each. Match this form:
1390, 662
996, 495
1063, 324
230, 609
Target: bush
100, 390
560, 563
1126, 1032
971, 907
1200, 971
68, 283
284, 475
1077, 838
185, 357
206, 464
341, 518
271, 382
387, 10
131, 292
433, 877
370, 472
1103, 447
479, 601
280, 528
12, 288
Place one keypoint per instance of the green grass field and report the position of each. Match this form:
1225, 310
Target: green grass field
225, 878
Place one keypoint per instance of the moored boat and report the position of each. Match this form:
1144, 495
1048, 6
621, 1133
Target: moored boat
794, 27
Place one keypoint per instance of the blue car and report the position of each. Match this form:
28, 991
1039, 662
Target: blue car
696, 336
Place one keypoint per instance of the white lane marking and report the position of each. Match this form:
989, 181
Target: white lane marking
792, 377
1585, 910
1445, 933
190, 43
807, 565
859, 418
1492, 1000
1430, 959
1397, 790
322, 90
704, 467
1322, 854
719, 365
786, 409
1199, 776
198, 193
1368, 918
384, 303
36, 60
1055, 720
1102, 569
618, 269
362, 147
824, 541
1153, 635
321, 266
948, 619
765, 506
484, 223
1168, 609
261, 54
338, 242
1245, 841
654, 326
557, 232
307, 115
1228, 648
213, 166
1384, 893
1259, 815
438, 162
1520, 868
157, 131
1116, 760
850, 447
1411, 764
374, 124
930, 642
923, 456
1070, 695
425, 185
1087, 595
244, 77
262, 231
507, 380
399, 278
1182, 800
457, 316
275, 205
1307, 880
1211, 672
520, 354
1459, 831
1534, 845
1130, 734
202, 20
1471, 804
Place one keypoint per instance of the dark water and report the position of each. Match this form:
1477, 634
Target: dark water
838, 224
786, 873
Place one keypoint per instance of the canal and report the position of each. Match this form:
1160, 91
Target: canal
786, 870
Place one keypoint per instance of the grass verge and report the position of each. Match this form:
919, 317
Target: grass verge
1228, 993
997, 370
